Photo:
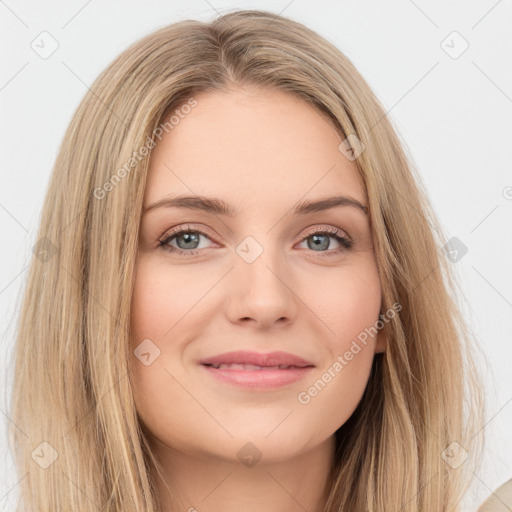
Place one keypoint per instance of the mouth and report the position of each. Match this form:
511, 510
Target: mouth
253, 370
252, 367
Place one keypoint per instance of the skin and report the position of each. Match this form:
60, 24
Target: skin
261, 151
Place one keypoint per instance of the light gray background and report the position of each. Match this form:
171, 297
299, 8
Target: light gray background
452, 113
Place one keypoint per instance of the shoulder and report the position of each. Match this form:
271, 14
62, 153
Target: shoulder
500, 500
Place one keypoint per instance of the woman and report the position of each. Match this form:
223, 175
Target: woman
303, 353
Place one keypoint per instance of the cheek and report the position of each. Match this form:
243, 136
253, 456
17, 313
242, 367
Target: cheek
165, 308
347, 301
162, 297
156, 308
349, 309
328, 400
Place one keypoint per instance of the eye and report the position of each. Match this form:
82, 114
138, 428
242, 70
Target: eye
188, 241
320, 240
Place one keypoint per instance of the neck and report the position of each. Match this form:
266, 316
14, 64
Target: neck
207, 483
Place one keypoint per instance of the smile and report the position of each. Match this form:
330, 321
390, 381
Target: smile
254, 377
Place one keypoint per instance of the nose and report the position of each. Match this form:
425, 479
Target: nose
262, 292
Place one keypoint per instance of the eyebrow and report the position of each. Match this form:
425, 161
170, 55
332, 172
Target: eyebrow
220, 207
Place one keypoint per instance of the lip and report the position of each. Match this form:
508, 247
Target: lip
253, 378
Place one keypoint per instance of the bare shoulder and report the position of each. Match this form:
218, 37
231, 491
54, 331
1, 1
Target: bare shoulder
500, 500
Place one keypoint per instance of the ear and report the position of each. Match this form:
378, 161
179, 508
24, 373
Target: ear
380, 342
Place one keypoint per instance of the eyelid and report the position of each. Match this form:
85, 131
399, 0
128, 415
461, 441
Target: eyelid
205, 231
328, 229
188, 226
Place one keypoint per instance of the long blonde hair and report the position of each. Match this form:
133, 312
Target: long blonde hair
72, 392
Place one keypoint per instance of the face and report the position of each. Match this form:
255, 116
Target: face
262, 278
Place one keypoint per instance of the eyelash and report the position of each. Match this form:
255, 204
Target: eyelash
345, 242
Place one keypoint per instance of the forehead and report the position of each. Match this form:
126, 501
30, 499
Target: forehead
248, 145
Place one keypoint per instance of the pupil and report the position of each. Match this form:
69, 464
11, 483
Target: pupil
189, 238
318, 243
